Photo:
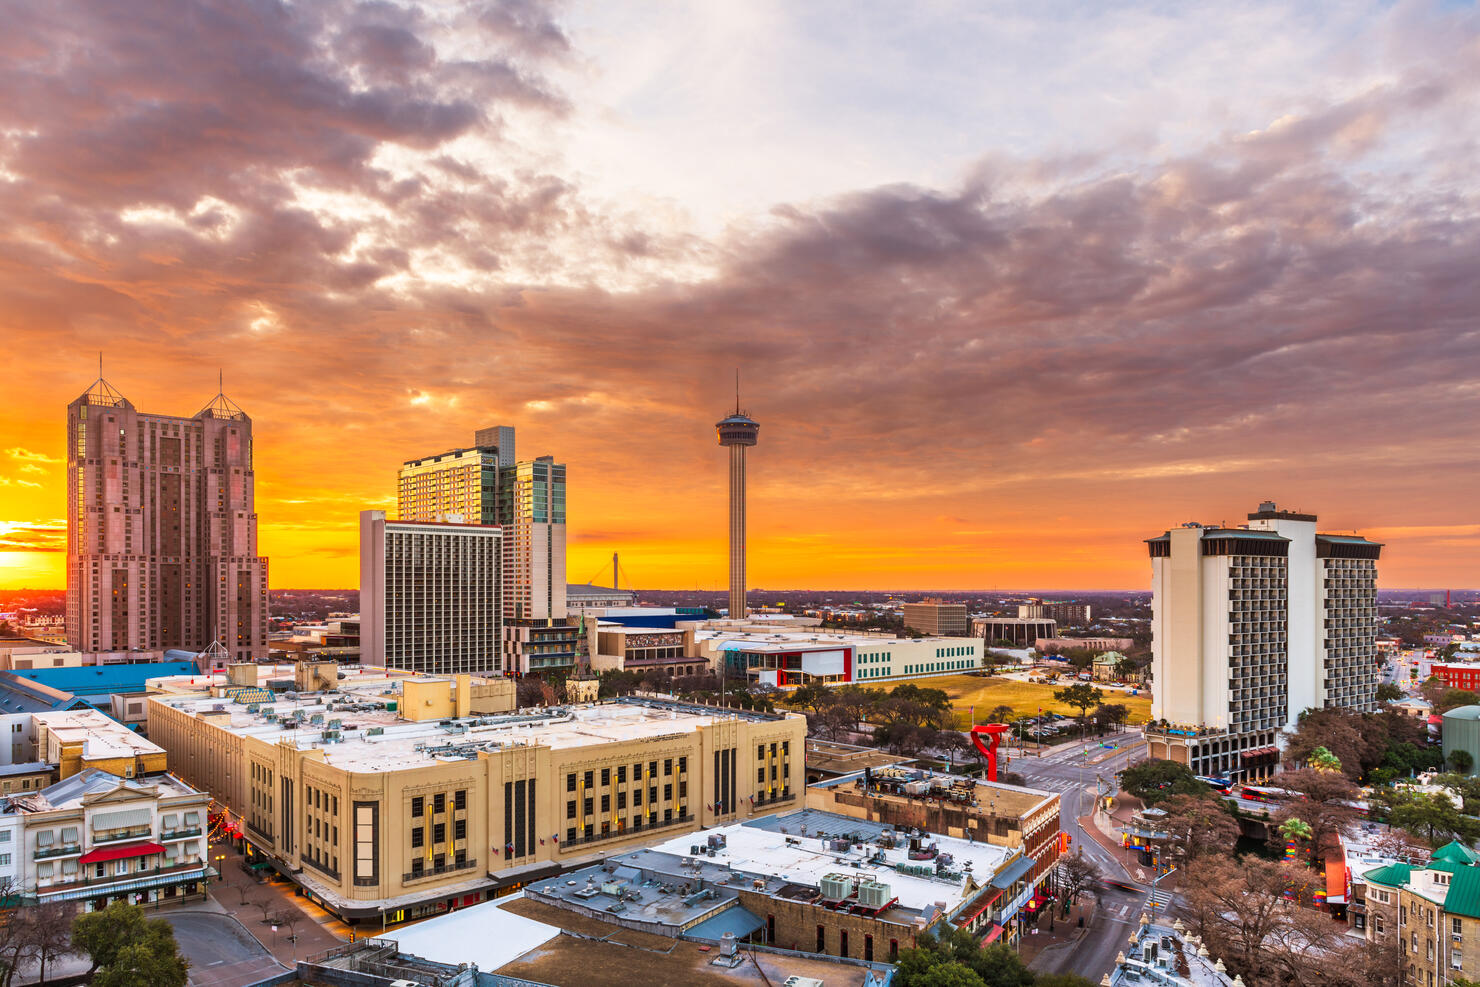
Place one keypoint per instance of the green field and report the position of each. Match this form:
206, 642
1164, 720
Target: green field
1024, 697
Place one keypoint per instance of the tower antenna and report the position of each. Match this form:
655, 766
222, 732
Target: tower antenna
100, 364
220, 380
737, 388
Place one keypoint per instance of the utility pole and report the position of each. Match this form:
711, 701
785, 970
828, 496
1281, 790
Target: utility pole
614, 570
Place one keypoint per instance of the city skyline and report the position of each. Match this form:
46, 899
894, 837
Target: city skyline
1008, 308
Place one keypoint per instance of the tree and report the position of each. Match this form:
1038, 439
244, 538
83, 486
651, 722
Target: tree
1078, 874
1327, 807
14, 945
952, 974
1197, 825
152, 962
1155, 780
103, 933
994, 966
1082, 696
1001, 714
1110, 715
1062, 980
1454, 698
1296, 831
1433, 817
1323, 760
46, 930
1387, 692
1461, 760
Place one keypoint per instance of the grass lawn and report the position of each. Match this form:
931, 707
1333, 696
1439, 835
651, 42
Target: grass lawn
1024, 697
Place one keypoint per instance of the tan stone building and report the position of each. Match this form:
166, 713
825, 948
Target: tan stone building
1429, 915
1020, 819
389, 798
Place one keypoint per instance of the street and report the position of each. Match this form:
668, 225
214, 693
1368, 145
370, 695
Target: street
1066, 770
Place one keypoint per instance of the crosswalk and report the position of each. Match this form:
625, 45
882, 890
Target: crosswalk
1160, 898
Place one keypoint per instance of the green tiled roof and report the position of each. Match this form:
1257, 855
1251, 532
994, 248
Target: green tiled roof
1464, 893
1456, 853
1393, 875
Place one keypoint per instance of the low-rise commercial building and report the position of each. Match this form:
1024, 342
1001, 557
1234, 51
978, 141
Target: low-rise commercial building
95, 838
809, 881
1016, 631
793, 658
643, 649
1025, 820
1055, 645
393, 798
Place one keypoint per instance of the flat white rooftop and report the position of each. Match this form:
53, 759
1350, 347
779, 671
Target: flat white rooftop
806, 860
101, 736
803, 640
374, 738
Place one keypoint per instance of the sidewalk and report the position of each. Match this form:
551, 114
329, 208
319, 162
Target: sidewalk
252, 902
1067, 931
1104, 829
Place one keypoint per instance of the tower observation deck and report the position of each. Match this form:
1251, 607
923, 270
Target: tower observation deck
737, 431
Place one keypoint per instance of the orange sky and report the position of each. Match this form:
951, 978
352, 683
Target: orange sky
991, 341
822, 515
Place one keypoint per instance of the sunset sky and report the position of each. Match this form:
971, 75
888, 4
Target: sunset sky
1011, 287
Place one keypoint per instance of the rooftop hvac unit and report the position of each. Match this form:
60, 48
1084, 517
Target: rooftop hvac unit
375, 731
270, 715
727, 944
873, 894
836, 887
316, 718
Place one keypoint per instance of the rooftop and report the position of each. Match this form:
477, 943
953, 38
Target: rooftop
96, 680
727, 640
364, 735
70, 793
101, 736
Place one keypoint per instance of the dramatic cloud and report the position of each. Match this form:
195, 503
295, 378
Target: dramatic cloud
37, 536
391, 225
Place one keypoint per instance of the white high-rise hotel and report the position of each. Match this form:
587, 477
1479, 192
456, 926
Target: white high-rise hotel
1250, 626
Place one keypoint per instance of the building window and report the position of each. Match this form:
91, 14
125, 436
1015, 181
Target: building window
439, 802
570, 809
418, 836
418, 807
460, 799
570, 782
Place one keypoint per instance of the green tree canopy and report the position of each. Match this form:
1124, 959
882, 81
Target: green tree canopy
1155, 780
129, 950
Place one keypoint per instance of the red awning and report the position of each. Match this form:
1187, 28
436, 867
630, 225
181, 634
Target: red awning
983, 903
121, 851
993, 935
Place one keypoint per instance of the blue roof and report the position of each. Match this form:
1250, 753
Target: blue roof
1012, 873
23, 697
101, 681
737, 919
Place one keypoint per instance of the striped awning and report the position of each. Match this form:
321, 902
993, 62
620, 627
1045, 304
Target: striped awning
123, 819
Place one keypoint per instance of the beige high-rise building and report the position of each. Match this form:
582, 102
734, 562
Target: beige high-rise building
1251, 626
486, 485
162, 529
393, 797
431, 596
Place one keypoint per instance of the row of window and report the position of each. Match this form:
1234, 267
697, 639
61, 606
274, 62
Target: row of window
588, 779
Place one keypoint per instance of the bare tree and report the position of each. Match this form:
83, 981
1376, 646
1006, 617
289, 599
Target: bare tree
1197, 825
1078, 874
47, 930
14, 944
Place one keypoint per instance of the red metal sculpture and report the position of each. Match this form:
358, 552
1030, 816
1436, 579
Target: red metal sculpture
993, 733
